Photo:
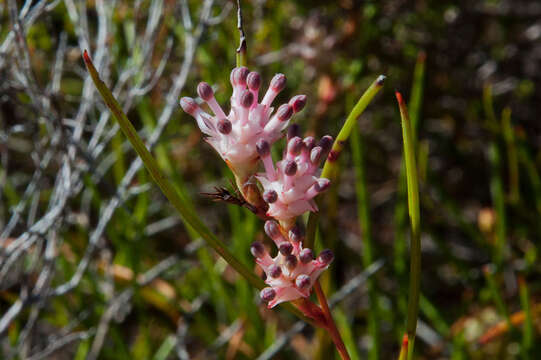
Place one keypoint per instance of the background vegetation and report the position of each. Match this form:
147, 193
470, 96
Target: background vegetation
94, 263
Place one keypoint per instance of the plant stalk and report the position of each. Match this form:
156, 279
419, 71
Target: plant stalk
414, 215
331, 325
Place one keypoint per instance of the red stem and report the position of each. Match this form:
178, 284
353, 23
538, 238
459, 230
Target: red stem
331, 326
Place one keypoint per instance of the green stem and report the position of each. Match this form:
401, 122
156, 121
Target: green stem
363, 213
527, 337
330, 167
414, 214
241, 50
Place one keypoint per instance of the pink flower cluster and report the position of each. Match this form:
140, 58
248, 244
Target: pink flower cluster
234, 136
245, 136
292, 272
289, 188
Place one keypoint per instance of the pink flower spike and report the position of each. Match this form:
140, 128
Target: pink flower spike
293, 271
293, 179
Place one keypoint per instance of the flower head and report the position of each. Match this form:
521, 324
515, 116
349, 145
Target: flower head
289, 188
293, 271
234, 136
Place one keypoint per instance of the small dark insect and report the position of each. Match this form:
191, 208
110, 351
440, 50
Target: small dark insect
223, 194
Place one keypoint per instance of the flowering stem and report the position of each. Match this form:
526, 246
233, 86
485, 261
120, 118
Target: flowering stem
331, 325
414, 214
241, 50
188, 215
330, 167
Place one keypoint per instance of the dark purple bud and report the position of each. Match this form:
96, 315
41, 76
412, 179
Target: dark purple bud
275, 271
246, 99
309, 142
270, 196
294, 146
326, 256
278, 82
253, 81
205, 91
284, 112
322, 185
326, 143
257, 249
224, 126
306, 256
296, 233
239, 75
267, 294
263, 148
292, 131
272, 229
316, 155
189, 105
291, 262
297, 102
285, 248
290, 168
302, 281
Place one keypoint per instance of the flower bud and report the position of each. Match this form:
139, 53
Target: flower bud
296, 233
189, 105
291, 262
284, 112
263, 148
326, 256
297, 103
326, 143
309, 142
272, 229
292, 131
306, 256
239, 75
246, 99
285, 248
278, 82
270, 196
294, 146
322, 185
316, 154
205, 91
274, 271
224, 126
253, 81
267, 294
290, 168
257, 249
302, 281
